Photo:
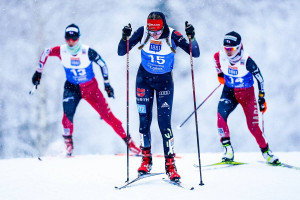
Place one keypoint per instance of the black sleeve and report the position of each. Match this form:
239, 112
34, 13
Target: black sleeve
95, 57
180, 41
252, 67
134, 39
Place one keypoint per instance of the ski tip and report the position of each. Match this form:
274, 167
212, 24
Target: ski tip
192, 188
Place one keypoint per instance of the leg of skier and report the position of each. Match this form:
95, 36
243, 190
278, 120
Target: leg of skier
71, 98
164, 97
144, 100
91, 93
246, 98
226, 105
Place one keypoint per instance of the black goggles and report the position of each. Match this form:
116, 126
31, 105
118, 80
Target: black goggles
71, 35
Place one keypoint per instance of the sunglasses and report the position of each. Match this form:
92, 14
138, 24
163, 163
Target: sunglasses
155, 33
231, 48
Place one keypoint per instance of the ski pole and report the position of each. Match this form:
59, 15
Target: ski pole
263, 123
194, 97
198, 107
127, 105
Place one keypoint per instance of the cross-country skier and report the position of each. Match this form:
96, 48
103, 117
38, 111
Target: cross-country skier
236, 70
154, 77
77, 60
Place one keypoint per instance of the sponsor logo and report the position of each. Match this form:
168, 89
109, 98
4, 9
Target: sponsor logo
68, 98
141, 108
225, 100
75, 61
66, 131
155, 46
167, 92
232, 70
229, 37
165, 105
177, 33
221, 132
140, 92
243, 62
143, 99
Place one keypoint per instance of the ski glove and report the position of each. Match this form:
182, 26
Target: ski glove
189, 29
221, 78
36, 78
126, 32
262, 102
109, 90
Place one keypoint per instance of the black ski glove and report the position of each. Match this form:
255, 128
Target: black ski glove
126, 32
262, 102
109, 90
189, 29
36, 78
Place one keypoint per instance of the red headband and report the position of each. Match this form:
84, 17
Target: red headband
155, 24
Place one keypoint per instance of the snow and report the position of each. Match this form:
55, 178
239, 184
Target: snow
95, 176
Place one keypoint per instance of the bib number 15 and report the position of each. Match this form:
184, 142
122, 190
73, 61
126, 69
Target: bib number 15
78, 72
157, 59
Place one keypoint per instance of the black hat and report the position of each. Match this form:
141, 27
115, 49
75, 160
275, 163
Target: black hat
72, 31
232, 39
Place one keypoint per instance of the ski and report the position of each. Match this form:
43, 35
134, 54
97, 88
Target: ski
137, 179
280, 164
178, 184
219, 165
139, 155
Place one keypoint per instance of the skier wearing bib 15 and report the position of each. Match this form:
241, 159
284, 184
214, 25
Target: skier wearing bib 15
77, 60
236, 71
154, 76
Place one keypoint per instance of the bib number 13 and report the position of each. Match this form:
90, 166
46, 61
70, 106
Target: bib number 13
157, 59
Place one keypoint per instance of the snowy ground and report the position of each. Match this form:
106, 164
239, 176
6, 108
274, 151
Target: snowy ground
95, 176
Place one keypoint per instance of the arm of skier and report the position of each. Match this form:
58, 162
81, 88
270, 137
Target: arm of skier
253, 68
95, 57
55, 51
221, 78
134, 39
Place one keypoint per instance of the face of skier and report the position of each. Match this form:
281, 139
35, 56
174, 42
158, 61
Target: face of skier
72, 41
156, 34
230, 51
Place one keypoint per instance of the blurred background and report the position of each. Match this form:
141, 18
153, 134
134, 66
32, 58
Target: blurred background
31, 125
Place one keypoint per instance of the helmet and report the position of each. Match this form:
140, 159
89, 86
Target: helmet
72, 32
232, 39
155, 22
233, 42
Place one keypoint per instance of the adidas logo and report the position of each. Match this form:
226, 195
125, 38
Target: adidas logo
165, 105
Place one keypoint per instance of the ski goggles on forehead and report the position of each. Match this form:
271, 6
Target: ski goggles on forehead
231, 48
155, 33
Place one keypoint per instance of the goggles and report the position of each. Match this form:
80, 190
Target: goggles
231, 48
71, 36
155, 33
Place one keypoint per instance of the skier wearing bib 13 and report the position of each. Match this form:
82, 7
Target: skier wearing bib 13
154, 76
77, 60
236, 70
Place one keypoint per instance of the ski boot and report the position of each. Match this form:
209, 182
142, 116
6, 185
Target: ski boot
146, 162
171, 170
228, 155
269, 156
132, 147
69, 145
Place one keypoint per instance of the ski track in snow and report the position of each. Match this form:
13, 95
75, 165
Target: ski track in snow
95, 176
